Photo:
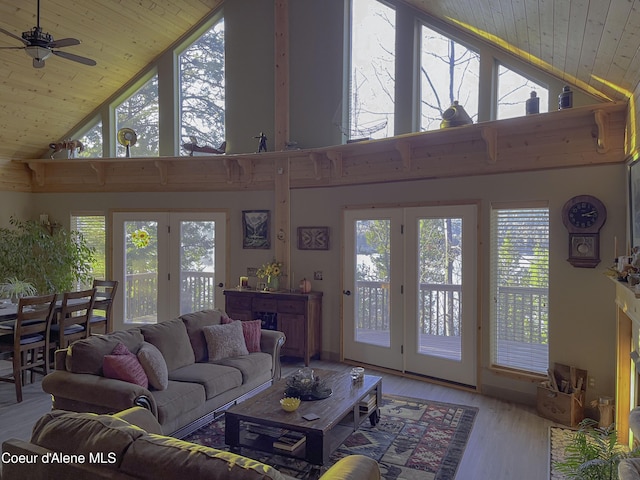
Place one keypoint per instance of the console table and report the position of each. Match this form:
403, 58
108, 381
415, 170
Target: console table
297, 315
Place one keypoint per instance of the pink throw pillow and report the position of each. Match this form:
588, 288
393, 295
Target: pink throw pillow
252, 331
124, 365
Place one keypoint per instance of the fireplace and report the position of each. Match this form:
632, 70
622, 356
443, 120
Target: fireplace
627, 354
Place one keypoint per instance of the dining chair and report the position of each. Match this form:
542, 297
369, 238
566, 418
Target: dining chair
28, 343
101, 317
72, 321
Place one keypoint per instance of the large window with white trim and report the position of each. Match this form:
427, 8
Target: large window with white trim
520, 288
140, 112
373, 60
202, 89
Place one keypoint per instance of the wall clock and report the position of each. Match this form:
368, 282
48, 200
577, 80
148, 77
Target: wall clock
584, 216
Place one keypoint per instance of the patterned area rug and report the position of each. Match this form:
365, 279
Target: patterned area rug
415, 439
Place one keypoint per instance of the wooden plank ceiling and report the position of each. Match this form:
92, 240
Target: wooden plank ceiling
582, 41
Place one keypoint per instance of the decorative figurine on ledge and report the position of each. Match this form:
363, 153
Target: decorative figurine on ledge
262, 145
193, 146
71, 146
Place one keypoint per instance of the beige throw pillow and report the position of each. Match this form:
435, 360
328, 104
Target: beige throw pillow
154, 366
224, 341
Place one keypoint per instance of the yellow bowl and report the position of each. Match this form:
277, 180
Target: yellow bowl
290, 404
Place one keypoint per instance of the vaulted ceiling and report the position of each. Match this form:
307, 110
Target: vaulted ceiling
593, 44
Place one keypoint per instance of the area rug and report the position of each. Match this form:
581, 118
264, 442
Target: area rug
415, 439
559, 438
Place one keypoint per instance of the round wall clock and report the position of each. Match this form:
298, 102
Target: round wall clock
584, 216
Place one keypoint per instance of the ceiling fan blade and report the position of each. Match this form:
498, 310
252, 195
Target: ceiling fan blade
38, 63
6, 32
75, 58
64, 42
12, 48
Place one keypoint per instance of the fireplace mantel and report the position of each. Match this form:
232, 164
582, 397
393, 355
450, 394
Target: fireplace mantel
628, 340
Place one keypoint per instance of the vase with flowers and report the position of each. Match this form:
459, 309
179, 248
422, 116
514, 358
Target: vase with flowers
271, 272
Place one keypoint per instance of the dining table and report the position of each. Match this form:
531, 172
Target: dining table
9, 312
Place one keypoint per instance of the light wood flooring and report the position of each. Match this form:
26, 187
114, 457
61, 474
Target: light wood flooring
508, 441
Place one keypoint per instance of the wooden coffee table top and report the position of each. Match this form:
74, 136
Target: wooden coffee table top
264, 408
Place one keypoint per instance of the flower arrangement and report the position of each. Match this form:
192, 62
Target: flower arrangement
140, 238
269, 270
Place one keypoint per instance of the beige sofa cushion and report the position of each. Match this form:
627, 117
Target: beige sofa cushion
173, 342
87, 355
155, 456
194, 323
177, 399
253, 365
85, 433
215, 379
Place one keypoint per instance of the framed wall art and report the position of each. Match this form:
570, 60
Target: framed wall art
256, 229
313, 238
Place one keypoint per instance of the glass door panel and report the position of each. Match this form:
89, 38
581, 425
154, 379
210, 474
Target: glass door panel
197, 265
372, 307
371, 295
141, 271
440, 287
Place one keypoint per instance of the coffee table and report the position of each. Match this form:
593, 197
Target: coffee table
339, 416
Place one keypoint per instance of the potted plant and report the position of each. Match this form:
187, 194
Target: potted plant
594, 453
15, 289
51, 261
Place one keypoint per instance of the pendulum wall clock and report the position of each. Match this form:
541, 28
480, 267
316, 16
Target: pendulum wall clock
584, 216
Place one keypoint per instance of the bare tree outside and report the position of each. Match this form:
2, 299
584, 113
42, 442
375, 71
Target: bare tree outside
449, 72
513, 92
371, 109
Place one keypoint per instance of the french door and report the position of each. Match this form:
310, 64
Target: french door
167, 263
409, 290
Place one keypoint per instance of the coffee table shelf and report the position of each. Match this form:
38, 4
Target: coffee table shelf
339, 416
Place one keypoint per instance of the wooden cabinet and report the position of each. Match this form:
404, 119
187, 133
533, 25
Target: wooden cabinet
297, 315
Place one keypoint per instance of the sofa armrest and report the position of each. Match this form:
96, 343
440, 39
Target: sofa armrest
353, 467
107, 393
140, 417
271, 342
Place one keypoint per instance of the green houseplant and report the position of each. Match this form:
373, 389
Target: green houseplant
52, 262
594, 453
15, 289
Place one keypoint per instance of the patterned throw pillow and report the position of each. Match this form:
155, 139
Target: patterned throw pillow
252, 331
124, 365
224, 341
154, 366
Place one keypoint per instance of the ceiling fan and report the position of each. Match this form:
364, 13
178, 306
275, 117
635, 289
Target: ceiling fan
40, 45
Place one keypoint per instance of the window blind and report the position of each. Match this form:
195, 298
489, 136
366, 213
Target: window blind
520, 288
92, 228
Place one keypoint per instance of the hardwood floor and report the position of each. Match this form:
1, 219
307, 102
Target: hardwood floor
508, 440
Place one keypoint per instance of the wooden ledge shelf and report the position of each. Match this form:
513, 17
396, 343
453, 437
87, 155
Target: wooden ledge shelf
592, 135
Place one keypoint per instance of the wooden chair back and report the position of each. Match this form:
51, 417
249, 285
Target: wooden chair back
75, 314
30, 343
101, 319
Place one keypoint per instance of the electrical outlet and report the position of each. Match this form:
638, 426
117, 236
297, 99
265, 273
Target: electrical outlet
592, 382
317, 275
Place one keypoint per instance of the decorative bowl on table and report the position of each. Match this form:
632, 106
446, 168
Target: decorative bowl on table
290, 404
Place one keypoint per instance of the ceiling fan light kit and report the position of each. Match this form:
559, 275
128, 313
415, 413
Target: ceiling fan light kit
40, 45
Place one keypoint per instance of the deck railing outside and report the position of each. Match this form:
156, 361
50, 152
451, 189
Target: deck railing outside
522, 311
197, 293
